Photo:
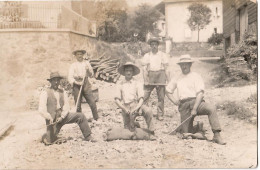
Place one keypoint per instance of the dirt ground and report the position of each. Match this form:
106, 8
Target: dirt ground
21, 149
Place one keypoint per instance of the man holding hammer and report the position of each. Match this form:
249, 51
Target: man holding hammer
54, 107
190, 90
79, 73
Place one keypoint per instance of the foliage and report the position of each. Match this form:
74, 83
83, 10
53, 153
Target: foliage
199, 17
246, 48
215, 39
143, 20
113, 19
239, 67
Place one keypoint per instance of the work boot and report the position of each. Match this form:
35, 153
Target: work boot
152, 137
90, 139
217, 139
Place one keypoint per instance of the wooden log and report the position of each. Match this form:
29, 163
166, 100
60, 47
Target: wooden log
116, 78
96, 74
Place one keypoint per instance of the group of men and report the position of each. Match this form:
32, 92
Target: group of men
131, 96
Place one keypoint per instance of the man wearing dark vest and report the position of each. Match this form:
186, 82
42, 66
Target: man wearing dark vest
54, 107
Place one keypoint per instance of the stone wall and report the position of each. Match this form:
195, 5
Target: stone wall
28, 57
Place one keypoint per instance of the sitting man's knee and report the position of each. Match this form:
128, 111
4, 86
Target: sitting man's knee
147, 110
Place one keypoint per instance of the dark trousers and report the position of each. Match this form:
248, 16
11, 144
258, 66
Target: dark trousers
88, 95
203, 109
144, 111
160, 89
79, 118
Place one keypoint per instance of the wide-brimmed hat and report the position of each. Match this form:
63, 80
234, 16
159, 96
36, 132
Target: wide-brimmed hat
121, 69
154, 39
55, 75
185, 59
83, 51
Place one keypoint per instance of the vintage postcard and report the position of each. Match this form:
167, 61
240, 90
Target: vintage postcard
128, 84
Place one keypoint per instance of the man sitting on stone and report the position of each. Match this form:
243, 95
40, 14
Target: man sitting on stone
190, 90
129, 98
54, 107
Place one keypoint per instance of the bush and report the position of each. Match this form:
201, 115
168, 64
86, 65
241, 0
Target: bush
215, 39
246, 48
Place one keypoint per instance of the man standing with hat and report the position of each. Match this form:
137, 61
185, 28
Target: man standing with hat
129, 98
155, 64
79, 73
190, 90
54, 107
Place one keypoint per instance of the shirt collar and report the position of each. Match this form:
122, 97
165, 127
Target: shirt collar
130, 81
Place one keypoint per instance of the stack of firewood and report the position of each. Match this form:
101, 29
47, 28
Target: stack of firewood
106, 68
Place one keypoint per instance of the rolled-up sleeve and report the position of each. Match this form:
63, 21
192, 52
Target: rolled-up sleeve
199, 84
140, 91
171, 86
145, 60
71, 75
118, 94
42, 109
165, 59
90, 69
66, 106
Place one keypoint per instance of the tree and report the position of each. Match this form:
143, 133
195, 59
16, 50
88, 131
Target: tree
144, 18
111, 17
199, 17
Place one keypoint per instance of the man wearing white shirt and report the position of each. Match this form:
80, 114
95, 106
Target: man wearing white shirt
77, 72
54, 107
155, 64
190, 90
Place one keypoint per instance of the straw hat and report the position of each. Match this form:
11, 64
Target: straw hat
153, 39
83, 51
121, 69
185, 59
54, 75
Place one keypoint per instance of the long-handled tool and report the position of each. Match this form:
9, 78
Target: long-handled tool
80, 90
175, 130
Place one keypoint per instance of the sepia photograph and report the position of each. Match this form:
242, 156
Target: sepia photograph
128, 84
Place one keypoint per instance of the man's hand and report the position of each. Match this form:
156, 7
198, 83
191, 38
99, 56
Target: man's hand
126, 110
135, 110
49, 118
79, 82
59, 119
193, 112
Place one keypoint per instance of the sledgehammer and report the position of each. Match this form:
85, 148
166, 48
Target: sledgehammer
178, 127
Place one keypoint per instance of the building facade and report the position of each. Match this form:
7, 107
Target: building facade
177, 14
239, 16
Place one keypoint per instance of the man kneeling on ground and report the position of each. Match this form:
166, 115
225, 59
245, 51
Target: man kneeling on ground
129, 98
190, 90
54, 107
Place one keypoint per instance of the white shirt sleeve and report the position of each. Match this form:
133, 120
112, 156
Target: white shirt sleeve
140, 90
145, 60
43, 105
199, 84
118, 94
66, 106
165, 59
171, 86
90, 69
71, 74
